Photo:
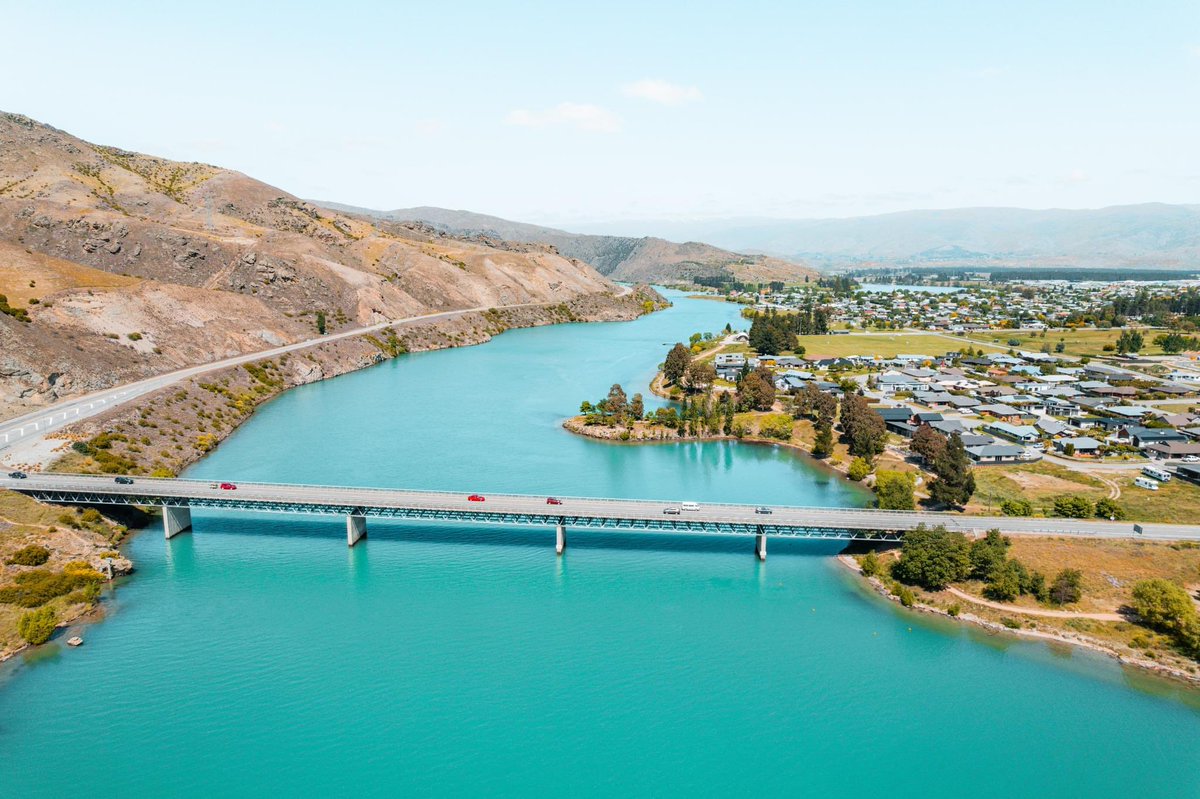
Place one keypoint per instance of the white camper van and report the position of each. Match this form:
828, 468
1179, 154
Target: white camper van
1147, 483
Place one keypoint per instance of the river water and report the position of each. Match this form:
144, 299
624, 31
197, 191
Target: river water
261, 655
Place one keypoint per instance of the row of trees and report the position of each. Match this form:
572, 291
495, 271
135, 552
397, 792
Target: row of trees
615, 409
933, 558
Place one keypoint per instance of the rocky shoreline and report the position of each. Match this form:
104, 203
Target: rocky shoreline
1073, 639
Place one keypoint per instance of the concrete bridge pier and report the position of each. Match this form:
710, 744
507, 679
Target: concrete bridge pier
760, 544
560, 538
356, 528
176, 519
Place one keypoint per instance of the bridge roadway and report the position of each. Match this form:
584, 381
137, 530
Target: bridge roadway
178, 496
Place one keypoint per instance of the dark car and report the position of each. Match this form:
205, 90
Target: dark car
553, 501
475, 498
763, 509
125, 481
17, 475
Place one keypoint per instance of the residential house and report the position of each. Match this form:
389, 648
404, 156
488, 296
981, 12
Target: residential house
995, 453
1082, 445
1019, 433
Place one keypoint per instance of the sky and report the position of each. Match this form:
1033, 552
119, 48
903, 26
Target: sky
571, 112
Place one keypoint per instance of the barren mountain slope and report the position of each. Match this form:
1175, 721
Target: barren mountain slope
128, 265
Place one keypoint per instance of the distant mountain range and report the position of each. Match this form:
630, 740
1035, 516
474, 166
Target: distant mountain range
630, 258
1148, 235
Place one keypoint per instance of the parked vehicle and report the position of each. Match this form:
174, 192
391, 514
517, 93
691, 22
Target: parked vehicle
671, 511
229, 486
475, 498
1161, 475
1147, 483
690, 506
17, 475
125, 481
763, 509
553, 501
214, 485
1190, 459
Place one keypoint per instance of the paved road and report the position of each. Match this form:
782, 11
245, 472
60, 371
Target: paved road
60, 414
710, 517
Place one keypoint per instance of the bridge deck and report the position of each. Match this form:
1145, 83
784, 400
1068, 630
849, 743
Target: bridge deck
632, 514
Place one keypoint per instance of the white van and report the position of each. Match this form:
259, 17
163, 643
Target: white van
1160, 475
690, 505
1146, 482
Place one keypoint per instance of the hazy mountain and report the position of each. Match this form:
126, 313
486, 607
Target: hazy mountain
1152, 234
634, 258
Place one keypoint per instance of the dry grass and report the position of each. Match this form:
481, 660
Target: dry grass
19, 268
1078, 342
1176, 502
1038, 482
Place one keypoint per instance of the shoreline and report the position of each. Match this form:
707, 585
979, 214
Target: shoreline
1073, 639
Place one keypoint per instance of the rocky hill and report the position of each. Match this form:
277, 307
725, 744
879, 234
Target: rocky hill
627, 258
116, 265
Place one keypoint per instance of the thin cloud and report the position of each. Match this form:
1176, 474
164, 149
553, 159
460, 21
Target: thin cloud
583, 116
660, 91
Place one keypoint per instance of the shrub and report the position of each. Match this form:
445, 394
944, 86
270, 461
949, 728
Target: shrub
988, 555
1073, 507
954, 609
894, 490
32, 555
1108, 509
905, 594
1011, 623
1016, 507
35, 588
859, 469
776, 425
870, 564
37, 626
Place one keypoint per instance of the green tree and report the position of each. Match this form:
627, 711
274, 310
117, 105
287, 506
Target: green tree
757, 391
894, 490
1162, 604
1067, 587
321, 322
823, 444
676, 364
37, 626
1129, 341
927, 443
870, 564
933, 558
863, 429
616, 403
954, 481
988, 555
1007, 582
699, 375
637, 407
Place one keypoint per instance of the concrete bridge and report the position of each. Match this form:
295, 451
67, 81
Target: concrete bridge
177, 497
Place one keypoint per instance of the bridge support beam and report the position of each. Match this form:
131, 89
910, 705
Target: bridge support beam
356, 528
760, 544
560, 538
176, 519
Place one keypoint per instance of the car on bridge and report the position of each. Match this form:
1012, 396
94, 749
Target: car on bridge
672, 511
228, 487
17, 475
125, 481
553, 501
763, 509
475, 498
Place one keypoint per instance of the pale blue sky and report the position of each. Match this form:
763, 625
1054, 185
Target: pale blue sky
557, 113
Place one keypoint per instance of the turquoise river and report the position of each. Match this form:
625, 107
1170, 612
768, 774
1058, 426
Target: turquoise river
261, 656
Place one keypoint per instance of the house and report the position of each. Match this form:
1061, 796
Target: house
926, 417
1019, 433
1184, 377
899, 413
963, 403
976, 440
1052, 427
1145, 436
1005, 413
1172, 449
948, 427
1118, 392
1127, 411
1083, 445
995, 453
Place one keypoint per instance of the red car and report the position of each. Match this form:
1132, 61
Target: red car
553, 501
229, 486
475, 498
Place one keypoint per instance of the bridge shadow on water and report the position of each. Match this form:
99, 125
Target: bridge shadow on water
450, 534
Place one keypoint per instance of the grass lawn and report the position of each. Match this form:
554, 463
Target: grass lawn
1175, 502
883, 344
1078, 342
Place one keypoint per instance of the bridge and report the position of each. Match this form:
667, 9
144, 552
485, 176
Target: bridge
177, 498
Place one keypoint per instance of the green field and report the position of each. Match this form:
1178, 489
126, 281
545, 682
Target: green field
885, 345
1078, 342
